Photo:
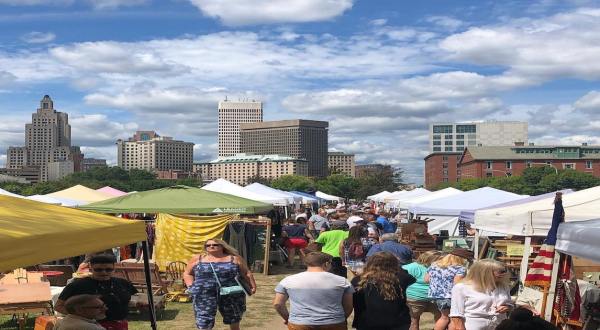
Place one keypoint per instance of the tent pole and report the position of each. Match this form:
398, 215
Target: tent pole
552, 290
149, 285
476, 244
267, 248
525, 259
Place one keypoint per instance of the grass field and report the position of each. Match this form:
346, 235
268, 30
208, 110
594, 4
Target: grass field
260, 314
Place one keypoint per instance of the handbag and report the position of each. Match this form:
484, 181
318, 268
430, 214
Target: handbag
243, 282
226, 290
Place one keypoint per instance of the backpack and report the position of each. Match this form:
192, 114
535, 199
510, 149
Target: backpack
356, 250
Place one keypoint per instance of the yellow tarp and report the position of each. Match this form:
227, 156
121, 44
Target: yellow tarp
81, 193
180, 237
32, 232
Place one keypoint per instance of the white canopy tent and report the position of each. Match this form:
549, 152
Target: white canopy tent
407, 195
275, 193
8, 193
394, 195
226, 187
305, 198
468, 200
56, 200
407, 203
580, 239
328, 197
535, 218
379, 197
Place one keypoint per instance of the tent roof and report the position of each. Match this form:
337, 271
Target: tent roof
534, 218
260, 188
81, 193
380, 195
328, 197
469, 200
307, 198
408, 195
407, 203
394, 195
8, 193
111, 191
469, 215
179, 200
55, 200
580, 239
33, 232
226, 187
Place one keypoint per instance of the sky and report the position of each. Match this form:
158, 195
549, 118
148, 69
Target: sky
379, 71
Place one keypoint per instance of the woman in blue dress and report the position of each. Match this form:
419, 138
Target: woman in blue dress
217, 267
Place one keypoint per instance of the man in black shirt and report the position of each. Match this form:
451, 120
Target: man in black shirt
114, 292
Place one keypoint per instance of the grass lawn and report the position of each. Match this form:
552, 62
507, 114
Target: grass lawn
180, 316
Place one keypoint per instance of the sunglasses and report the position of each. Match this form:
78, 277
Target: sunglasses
107, 270
212, 245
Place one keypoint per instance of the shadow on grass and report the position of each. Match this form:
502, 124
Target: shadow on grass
166, 315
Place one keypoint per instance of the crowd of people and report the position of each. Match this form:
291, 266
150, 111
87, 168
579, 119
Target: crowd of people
352, 263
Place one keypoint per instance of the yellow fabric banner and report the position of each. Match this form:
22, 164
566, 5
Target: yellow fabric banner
180, 237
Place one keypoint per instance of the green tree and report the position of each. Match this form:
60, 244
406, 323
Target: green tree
260, 179
341, 185
376, 181
293, 182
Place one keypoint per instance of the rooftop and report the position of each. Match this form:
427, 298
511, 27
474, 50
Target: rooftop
251, 158
535, 152
285, 123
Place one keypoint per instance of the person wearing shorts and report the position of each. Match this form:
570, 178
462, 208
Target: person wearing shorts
297, 233
417, 294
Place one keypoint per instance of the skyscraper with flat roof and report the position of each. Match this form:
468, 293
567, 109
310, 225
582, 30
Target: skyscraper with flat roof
149, 151
297, 138
231, 115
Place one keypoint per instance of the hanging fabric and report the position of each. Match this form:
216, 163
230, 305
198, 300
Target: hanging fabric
180, 237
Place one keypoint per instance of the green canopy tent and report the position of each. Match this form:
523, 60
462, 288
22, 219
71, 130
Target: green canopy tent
179, 200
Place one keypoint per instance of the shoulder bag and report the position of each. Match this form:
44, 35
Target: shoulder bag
226, 290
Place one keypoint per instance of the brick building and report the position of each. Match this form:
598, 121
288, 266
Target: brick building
441, 167
481, 162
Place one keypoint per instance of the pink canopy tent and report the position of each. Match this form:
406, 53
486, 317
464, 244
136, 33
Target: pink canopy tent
111, 191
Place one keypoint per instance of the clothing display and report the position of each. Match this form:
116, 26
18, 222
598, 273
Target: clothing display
590, 309
206, 298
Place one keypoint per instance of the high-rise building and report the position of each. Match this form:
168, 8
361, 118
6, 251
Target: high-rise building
47, 140
231, 115
147, 150
297, 138
447, 141
339, 162
242, 167
371, 169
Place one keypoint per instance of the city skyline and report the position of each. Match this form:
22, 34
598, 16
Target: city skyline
379, 73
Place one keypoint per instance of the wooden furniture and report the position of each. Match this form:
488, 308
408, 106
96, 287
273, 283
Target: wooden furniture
22, 293
175, 270
134, 273
61, 280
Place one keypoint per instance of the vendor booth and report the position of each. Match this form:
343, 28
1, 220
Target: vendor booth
82, 194
329, 197
226, 187
275, 193
379, 197
405, 204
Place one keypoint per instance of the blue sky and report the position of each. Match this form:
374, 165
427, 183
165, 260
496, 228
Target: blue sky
379, 71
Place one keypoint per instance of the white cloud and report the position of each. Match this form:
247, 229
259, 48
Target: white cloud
38, 37
112, 4
245, 12
589, 102
379, 22
565, 45
446, 22
6, 78
35, 2
96, 130
97, 4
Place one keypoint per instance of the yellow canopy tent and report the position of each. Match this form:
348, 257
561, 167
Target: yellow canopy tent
32, 232
81, 193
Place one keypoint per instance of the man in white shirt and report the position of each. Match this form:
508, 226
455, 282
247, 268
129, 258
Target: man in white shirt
317, 298
84, 310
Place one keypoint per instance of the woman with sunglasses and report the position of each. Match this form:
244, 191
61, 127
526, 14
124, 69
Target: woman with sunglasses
482, 300
219, 266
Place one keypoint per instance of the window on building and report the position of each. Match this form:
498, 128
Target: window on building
528, 163
466, 129
448, 149
460, 148
448, 143
488, 165
444, 165
442, 128
445, 180
437, 137
508, 165
437, 149
460, 143
460, 136
445, 172
444, 157
489, 174
569, 166
437, 143
588, 164
448, 137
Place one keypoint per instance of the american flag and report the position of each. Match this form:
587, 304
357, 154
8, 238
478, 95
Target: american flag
540, 272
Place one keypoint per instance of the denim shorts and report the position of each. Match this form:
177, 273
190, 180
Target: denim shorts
442, 303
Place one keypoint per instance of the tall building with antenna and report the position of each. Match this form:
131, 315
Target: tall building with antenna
231, 115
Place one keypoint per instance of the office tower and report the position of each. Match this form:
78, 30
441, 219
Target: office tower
149, 151
47, 140
231, 115
297, 138
339, 162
